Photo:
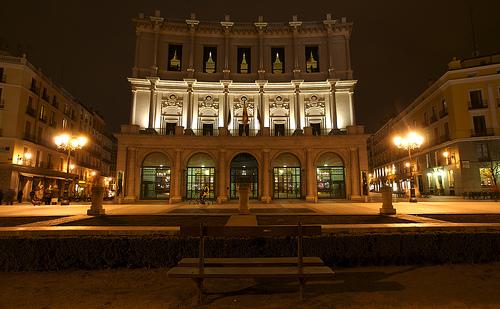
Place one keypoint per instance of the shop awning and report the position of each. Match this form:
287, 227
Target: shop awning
40, 176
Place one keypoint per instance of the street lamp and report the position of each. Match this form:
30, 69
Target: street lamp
69, 143
413, 140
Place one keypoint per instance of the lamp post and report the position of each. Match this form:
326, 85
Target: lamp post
412, 141
68, 143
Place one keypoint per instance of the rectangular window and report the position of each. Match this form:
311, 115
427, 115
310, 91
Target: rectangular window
451, 179
312, 59
40, 134
279, 129
243, 129
482, 152
278, 60
244, 60
27, 129
64, 123
426, 121
316, 129
209, 59
476, 99
479, 125
444, 106
486, 176
2, 103
174, 57
42, 113
208, 129
170, 128
2, 79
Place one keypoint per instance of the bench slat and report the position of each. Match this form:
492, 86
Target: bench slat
252, 272
251, 262
251, 231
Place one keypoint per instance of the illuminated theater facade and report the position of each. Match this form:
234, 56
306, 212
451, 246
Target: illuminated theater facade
217, 102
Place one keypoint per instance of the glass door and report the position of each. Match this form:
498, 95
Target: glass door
247, 173
197, 179
330, 182
286, 182
155, 183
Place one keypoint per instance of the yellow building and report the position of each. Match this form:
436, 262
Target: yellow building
33, 109
459, 117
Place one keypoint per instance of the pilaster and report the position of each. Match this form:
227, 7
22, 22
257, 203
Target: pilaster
221, 177
295, 24
192, 22
227, 26
176, 196
265, 197
311, 195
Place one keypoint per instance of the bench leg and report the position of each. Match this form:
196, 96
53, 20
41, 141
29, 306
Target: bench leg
199, 286
302, 283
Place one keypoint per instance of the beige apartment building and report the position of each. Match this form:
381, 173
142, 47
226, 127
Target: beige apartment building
214, 102
33, 110
459, 117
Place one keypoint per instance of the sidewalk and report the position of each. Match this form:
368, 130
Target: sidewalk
447, 286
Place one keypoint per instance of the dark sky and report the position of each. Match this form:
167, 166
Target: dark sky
397, 46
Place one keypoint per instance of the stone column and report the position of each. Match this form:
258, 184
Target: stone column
333, 106
156, 22
297, 109
137, 51
355, 173
226, 109
176, 196
265, 197
221, 177
130, 194
295, 24
311, 195
192, 23
152, 102
329, 23
189, 108
227, 25
351, 108
133, 106
261, 25
348, 56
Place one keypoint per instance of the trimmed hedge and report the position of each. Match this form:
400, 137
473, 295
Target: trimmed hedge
26, 254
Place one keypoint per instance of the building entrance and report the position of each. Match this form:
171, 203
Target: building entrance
286, 182
244, 167
155, 177
200, 176
330, 176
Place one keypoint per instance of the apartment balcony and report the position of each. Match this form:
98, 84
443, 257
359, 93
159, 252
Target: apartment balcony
45, 97
3, 78
34, 89
482, 132
53, 123
43, 119
29, 137
443, 113
478, 105
444, 138
2, 103
31, 111
433, 119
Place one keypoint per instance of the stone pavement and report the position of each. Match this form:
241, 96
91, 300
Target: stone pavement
425, 206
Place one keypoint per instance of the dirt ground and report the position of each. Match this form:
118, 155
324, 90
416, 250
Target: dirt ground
446, 286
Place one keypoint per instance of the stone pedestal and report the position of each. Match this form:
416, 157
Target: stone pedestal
96, 206
244, 192
387, 208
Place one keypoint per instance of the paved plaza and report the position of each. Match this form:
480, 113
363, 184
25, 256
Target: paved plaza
426, 206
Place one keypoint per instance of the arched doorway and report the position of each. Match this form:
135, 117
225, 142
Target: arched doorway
200, 173
155, 177
243, 166
330, 175
286, 176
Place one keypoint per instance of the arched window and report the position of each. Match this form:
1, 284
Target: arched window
244, 167
155, 177
200, 174
286, 176
330, 176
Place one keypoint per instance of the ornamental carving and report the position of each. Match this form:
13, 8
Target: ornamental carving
208, 102
314, 105
240, 101
171, 105
279, 106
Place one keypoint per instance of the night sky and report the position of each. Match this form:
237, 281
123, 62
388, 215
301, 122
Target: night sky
397, 47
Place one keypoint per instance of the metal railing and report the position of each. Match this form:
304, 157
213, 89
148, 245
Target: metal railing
432, 119
237, 132
443, 113
3, 78
477, 105
482, 132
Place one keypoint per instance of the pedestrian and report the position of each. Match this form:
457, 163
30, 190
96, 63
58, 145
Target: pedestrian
20, 196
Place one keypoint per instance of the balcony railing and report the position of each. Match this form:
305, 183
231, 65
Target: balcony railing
244, 132
478, 105
34, 89
29, 137
2, 103
30, 111
236, 132
443, 113
3, 78
45, 97
482, 132
444, 138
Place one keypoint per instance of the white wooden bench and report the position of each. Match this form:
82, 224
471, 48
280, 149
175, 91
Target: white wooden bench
299, 267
